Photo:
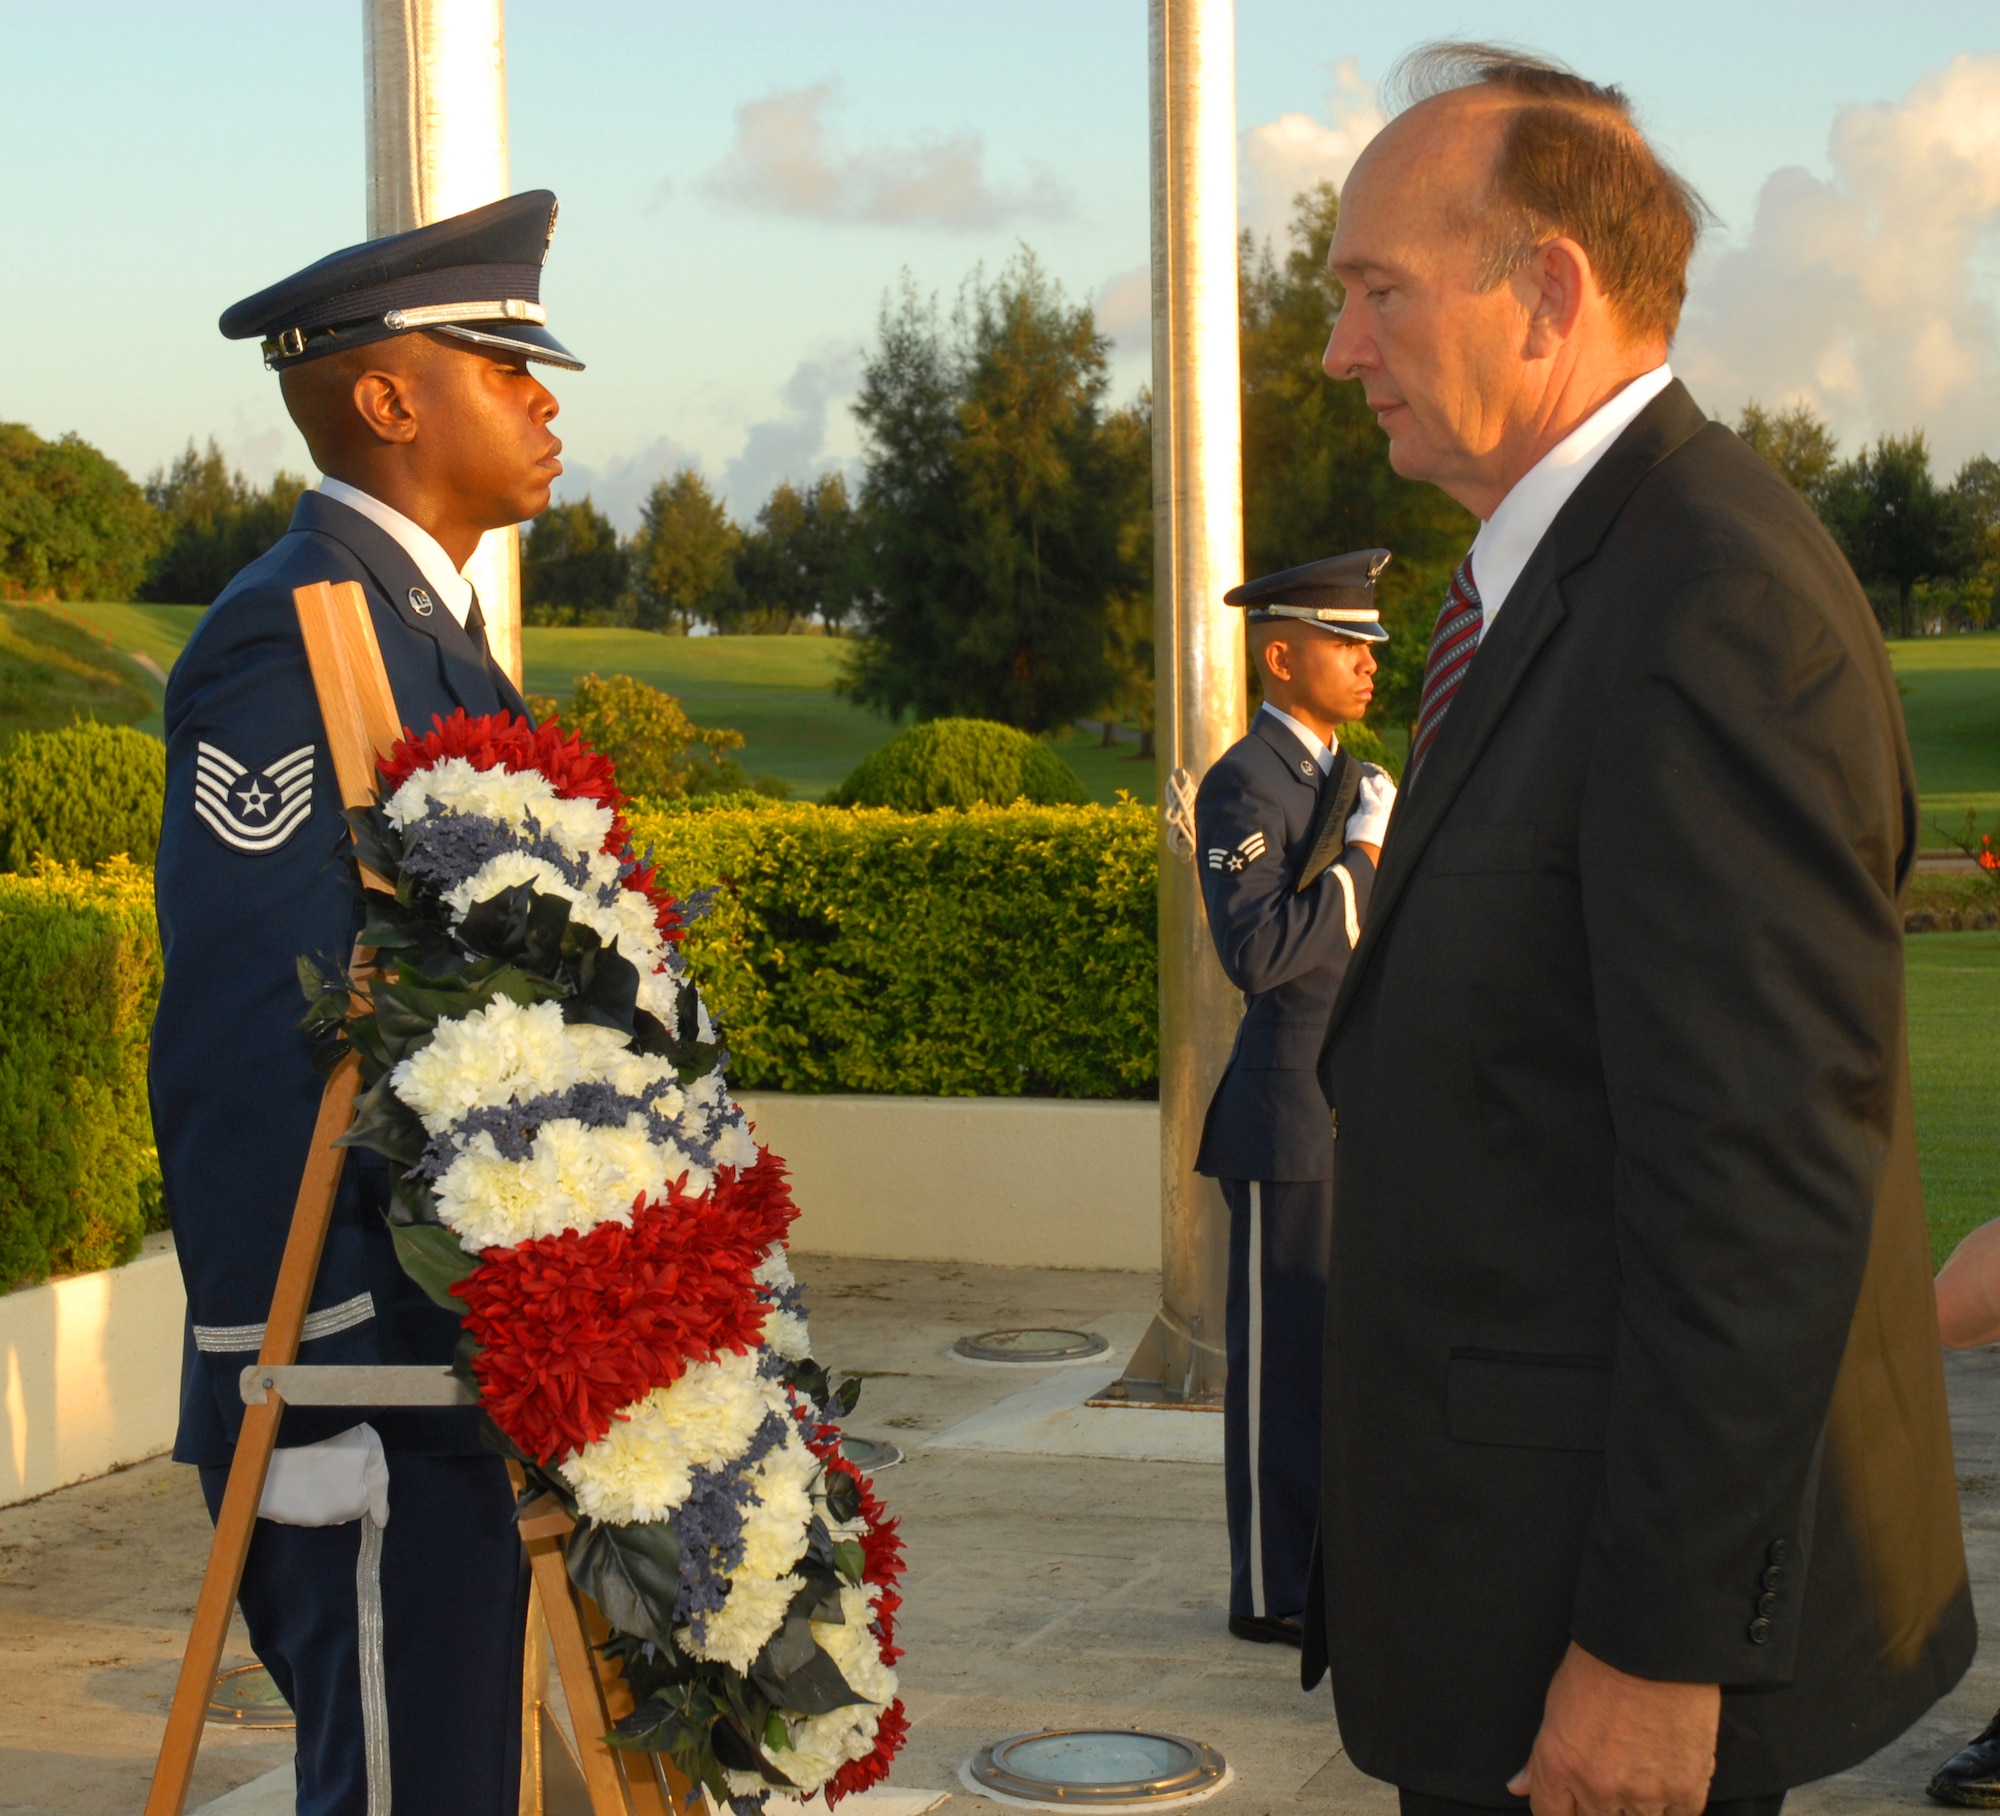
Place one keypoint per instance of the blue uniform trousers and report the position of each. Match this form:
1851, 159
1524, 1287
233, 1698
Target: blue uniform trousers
1280, 1235
398, 1647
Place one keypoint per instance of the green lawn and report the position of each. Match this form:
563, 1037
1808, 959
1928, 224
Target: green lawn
1953, 711
1954, 985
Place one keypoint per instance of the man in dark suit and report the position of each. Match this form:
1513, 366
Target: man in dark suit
1287, 828
396, 1640
1638, 1489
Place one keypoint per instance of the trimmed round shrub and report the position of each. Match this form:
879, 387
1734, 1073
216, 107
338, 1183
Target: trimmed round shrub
960, 763
1362, 742
81, 795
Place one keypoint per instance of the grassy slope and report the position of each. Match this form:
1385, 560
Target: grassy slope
1954, 984
1953, 711
777, 691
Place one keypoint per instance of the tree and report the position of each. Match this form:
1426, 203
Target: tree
1896, 524
72, 523
1128, 619
802, 561
1316, 474
684, 555
574, 569
215, 523
992, 507
1797, 442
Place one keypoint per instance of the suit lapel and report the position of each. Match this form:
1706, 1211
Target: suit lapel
1530, 616
466, 675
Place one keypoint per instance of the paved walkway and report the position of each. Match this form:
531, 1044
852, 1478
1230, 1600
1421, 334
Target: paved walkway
1043, 1589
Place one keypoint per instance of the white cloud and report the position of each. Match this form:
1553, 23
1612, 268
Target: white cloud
618, 487
790, 445
1124, 311
1868, 294
787, 159
1294, 151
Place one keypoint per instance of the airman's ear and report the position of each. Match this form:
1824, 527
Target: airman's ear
384, 403
1277, 656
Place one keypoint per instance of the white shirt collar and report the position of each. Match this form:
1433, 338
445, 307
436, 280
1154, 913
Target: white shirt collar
1322, 754
454, 591
1511, 535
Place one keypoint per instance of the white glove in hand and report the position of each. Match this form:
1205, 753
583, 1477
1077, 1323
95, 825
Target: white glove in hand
329, 1483
1372, 807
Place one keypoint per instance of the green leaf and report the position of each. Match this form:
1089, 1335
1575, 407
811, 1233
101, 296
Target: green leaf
431, 1256
849, 1559
386, 1125
633, 1573
777, 1733
815, 1688
848, 1395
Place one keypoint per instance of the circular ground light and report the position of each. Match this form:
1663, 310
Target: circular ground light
1096, 1768
872, 1454
247, 1698
1044, 1346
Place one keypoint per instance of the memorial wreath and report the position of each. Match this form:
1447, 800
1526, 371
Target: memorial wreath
572, 1177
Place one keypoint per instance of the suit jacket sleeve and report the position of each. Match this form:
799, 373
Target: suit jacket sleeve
1739, 872
1266, 931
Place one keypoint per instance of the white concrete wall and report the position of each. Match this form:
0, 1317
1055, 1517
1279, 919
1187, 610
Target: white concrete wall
90, 1372
90, 1366
1002, 1181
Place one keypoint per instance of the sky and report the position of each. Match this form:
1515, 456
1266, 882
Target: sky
742, 185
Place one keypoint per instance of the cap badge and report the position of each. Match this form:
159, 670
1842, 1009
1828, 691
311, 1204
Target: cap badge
421, 602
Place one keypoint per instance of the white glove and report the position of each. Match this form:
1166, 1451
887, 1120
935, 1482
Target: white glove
1372, 807
329, 1483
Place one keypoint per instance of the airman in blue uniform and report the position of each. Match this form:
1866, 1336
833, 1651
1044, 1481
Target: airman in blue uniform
385, 1589
1288, 828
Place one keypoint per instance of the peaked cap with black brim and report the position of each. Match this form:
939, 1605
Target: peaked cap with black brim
476, 276
1337, 594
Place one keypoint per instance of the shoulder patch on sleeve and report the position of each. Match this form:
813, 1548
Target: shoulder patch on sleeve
252, 812
1240, 858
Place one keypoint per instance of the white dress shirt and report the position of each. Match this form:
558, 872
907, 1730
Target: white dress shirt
1511, 535
452, 588
1322, 754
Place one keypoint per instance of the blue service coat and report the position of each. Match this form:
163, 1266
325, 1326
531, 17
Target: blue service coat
254, 872
1286, 951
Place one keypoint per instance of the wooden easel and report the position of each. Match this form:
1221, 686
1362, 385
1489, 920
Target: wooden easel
361, 723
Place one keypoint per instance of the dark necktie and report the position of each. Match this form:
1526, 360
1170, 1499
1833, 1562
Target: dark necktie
1453, 645
475, 626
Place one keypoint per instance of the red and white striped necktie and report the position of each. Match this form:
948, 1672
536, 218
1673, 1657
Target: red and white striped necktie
1453, 645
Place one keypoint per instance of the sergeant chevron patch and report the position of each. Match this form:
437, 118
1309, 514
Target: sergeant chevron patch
254, 813
1241, 858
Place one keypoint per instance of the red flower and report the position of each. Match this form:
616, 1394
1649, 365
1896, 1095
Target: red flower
858, 1774
572, 1329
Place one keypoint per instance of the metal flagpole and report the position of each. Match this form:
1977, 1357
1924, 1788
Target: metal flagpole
436, 75
1198, 535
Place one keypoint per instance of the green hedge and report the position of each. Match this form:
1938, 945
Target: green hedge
79, 978
991, 952
960, 763
81, 795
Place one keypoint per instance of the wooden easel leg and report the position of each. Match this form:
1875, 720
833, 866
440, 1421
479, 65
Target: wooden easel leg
640, 1781
581, 1685
237, 1522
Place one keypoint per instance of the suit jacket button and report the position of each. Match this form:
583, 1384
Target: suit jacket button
1333, 1116
1772, 1577
1760, 1631
1765, 1604
1779, 1551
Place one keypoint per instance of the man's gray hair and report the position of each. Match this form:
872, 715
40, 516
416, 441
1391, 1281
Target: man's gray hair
1573, 165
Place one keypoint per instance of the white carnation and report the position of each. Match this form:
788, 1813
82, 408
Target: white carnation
785, 1334
737, 1631
642, 1468
574, 1178
513, 798
503, 1053
507, 870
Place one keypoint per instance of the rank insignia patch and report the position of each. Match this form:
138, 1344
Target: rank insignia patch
254, 813
1240, 859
